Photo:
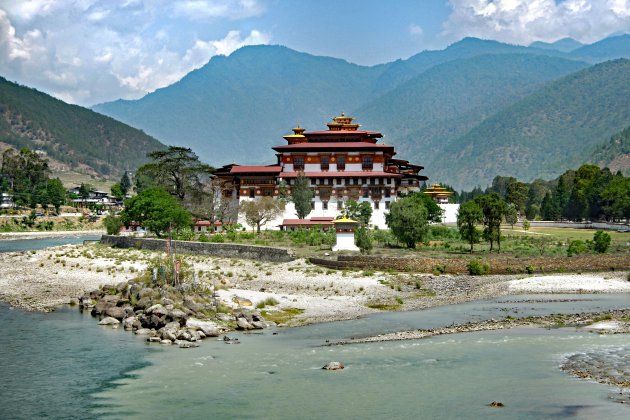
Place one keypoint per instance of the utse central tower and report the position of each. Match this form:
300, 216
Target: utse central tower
342, 163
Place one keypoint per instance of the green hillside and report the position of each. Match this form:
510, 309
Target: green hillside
615, 153
550, 131
448, 100
74, 136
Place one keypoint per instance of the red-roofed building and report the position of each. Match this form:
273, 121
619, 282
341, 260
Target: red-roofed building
342, 163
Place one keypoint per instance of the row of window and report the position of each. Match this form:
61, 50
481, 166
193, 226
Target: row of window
340, 204
350, 181
367, 163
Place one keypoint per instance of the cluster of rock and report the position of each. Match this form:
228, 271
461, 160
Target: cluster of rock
607, 365
166, 314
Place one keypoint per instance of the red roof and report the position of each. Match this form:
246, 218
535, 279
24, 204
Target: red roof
306, 222
273, 169
203, 223
350, 145
343, 132
355, 174
323, 219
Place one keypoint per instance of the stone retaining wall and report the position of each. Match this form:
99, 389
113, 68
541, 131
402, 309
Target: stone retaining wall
250, 252
497, 265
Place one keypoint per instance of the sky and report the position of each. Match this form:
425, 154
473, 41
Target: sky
91, 51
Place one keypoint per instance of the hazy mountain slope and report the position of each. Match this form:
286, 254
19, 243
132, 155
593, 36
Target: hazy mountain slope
235, 108
615, 153
564, 45
76, 136
607, 49
550, 131
446, 101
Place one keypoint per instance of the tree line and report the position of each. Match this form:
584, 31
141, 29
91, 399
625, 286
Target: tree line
588, 193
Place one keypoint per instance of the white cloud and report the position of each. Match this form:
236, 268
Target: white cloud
415, 30
525, 21
210, 9
89, 51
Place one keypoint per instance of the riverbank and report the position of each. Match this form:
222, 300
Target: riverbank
44, 279
4, 236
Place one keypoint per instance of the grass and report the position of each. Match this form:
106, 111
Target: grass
267, 302
282, 316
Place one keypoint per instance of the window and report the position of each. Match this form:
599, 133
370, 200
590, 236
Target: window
338, 181
313, 181
252, 193
341, 163
366, 193
356, 181
368, 163
387, 205
376, 205
387, 192
324, 162
298, 163
339, 204
312, 205
373, 181
324, 205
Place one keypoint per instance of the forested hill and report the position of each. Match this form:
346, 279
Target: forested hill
615, 153
552, 130
78, 138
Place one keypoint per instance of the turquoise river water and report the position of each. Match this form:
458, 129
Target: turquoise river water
62, 365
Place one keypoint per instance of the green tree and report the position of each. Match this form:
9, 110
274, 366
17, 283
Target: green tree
112, 224
260, 212
156, 210
408, 220
55, 193
84, 190
178, 171
117, 191
548, 208
511, 215
517, 194
468, 217
493, 208
125, 184
363, 239
359, 211
601, 242
616, 198
25, 174
301, 195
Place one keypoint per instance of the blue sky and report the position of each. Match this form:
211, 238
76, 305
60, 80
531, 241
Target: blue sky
90, 51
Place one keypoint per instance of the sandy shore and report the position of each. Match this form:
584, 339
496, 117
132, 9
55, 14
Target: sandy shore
44, 279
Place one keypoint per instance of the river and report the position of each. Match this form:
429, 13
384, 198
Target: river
62, 365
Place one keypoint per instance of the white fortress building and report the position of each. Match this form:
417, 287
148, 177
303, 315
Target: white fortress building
342, 163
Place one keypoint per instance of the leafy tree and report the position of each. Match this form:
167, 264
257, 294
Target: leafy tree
363, 239
156, 210
548, 208
84, 190
112, 224
55, 193
117, 191
301, 195
601, 242
616, 198
125, 184
359, 211
500, 185
468, 217
408, 220
493, 208
25, 174
433, 209
511, 215
517, 194
178, 171
260, 212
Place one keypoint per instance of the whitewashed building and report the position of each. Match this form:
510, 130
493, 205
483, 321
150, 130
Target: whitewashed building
342, 163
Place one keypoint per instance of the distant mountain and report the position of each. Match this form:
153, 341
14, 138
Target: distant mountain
76, 137
448, 100
235, 108
548, 132
607, 49
615, 153
564, 45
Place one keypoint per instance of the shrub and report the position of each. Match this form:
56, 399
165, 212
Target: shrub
526, 224
203, 238
217, 238
576, 247
478, 268
529, 269
363, 239
601, 242
439, 269
112, 224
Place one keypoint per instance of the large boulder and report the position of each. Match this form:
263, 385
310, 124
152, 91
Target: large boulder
100, 307
129, 322
243, 324
333, 366
177, 315
143, 303
145, 292
112, 299
109, 321
157, 310
209, 328
115, 312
